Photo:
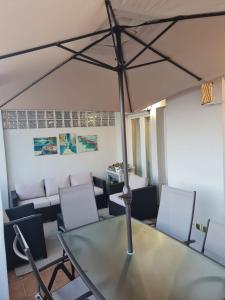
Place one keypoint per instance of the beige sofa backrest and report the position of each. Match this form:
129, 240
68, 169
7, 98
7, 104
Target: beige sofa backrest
52, 185
30, 190
81, 178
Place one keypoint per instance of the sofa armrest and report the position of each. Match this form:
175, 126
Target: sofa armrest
115, 188
100, 183
19, 212
144, 203
14, 199
33, 231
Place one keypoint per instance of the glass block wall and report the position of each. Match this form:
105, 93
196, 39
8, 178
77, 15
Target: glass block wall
31, 119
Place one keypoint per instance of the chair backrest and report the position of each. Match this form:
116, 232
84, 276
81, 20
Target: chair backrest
176, 212
214, 243
137, 182
78, 205
26, 255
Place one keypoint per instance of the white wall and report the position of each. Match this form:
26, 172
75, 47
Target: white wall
3, 272
23, 166
3, 168
194, 146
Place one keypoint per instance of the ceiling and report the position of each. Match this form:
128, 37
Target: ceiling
197, 45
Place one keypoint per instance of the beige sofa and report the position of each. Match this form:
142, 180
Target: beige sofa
45, 197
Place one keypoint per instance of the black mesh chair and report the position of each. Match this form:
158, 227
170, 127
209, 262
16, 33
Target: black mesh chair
75, 289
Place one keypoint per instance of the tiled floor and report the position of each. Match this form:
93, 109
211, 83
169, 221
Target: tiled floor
24, 287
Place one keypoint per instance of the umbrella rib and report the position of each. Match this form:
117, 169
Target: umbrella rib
112, 12
107, 5
95, 64
177, 18
151, 43
88, 58
53, 44
147, 64
94, 43
163, 56
56, 68
37, 80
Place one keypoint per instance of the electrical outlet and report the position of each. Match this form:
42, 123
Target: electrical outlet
204, 228
200, 227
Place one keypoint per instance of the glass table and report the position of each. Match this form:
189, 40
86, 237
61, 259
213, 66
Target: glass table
160, 269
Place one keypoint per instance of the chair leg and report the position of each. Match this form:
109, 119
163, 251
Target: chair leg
72, 266
58, 267
72, 270
52, 279
66, 272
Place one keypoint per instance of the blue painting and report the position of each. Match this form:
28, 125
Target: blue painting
45, 146
67, 143
87, 143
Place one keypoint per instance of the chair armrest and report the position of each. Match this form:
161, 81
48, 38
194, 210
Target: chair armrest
14, 199
115, 188
33, 231
19, 212
25, 220
100, 183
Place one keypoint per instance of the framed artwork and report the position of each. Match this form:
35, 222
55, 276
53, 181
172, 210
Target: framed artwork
67, 143
45, 146
87, 143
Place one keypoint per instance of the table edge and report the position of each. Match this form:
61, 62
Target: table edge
84, 277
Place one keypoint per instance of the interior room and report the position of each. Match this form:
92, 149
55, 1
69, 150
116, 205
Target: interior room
112, 150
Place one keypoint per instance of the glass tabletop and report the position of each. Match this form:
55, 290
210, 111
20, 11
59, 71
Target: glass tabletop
160, 269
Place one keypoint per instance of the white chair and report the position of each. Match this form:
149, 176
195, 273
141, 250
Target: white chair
214, 242
78, 205
175, 215
75, 289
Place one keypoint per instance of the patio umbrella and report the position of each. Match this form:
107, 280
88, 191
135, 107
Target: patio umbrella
75, 55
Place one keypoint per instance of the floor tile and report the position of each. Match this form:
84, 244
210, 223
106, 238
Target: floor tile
25, 287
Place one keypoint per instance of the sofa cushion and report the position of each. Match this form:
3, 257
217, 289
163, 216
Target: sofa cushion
81, 178
137, 182
38, 202
52, 185
116, 199
29, 191
5, 217
98, 191
54, 200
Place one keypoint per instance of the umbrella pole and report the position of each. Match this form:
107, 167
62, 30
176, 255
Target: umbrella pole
127, 195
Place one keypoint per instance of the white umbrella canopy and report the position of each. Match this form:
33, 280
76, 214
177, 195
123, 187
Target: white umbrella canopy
43, 65
198, 45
